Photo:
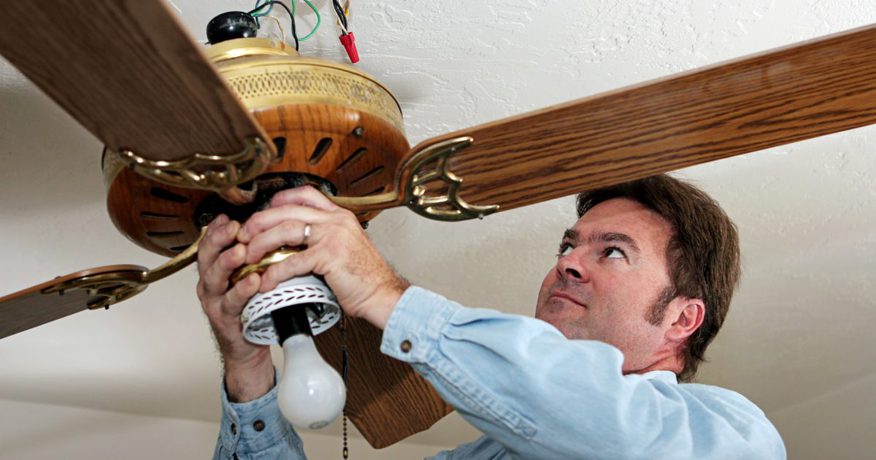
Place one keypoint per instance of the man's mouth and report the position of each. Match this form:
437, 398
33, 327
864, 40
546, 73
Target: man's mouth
567, 297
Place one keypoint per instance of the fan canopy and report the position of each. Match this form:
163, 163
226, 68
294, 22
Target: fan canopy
329, 121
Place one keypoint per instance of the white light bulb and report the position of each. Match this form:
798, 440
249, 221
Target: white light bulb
311, 393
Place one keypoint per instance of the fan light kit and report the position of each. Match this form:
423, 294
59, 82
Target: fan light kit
311, 394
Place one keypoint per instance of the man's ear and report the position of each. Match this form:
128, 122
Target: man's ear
689, 315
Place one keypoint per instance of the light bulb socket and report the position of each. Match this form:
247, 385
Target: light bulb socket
291, 321
306, 293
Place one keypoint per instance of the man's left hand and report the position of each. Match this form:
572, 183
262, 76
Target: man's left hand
336, 248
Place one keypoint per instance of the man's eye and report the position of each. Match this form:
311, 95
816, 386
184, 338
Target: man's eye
565, 249
614, 253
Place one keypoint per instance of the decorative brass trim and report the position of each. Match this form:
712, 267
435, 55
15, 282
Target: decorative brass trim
203, 171
278, 255
424, 167
266, 74
448, 207
116, 286
182, 260
109, 288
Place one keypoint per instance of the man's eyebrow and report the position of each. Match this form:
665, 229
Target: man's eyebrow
604, 237
570, 234
609, 237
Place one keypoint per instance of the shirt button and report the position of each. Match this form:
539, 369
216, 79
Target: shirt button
259, 425
233, 429
405, 346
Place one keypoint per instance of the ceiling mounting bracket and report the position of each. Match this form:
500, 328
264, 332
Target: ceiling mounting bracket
426, 171
112, 287
217, 173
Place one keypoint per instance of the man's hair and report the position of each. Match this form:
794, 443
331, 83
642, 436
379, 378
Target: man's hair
703, 252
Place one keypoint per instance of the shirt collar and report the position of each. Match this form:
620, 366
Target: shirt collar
663, 376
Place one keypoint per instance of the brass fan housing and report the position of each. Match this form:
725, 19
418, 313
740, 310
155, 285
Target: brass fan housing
327, 119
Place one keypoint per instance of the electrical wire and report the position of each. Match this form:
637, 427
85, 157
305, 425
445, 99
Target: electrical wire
257, 6
291, 16
318, 20
257, 15
277, 21
342, 17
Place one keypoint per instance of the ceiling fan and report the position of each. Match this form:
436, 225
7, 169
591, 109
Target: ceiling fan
132, 76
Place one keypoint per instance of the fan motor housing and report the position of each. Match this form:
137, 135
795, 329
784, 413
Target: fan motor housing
328, 120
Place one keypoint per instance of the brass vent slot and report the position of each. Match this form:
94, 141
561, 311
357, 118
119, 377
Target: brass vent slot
166, 234
320, 150
350, 159
280, 143
367, 176
167, 195
157, 216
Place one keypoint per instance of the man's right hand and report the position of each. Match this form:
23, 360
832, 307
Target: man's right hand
249, 372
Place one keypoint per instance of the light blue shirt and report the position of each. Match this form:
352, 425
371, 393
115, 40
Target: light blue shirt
535, 395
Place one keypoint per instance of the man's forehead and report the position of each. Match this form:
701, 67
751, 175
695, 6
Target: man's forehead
622, 215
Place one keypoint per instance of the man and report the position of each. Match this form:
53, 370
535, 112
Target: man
642, 283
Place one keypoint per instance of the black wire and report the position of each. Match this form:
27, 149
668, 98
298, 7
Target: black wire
291, 17
340, 12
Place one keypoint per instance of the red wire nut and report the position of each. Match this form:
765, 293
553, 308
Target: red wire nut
349, 42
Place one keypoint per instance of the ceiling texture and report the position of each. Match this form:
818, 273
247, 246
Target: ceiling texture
798, 338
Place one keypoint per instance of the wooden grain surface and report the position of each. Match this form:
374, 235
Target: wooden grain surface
791, 94
357, 165
29, 308
386, 399
129, 73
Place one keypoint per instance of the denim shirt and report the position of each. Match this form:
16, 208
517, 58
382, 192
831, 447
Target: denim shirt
535, 395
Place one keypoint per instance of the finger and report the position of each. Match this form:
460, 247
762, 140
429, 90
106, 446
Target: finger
221, 219
215, 278
300, 264
264, 220
217, 238
239, 294
288, 233
305, 196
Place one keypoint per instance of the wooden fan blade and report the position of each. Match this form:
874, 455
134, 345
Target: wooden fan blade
790, 94
129, 73
386, 399
41, 304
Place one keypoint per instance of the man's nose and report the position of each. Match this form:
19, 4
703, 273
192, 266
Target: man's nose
571, 268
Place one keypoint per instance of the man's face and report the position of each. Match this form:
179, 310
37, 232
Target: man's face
611, 269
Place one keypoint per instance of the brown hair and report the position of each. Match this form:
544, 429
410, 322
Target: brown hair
703, 252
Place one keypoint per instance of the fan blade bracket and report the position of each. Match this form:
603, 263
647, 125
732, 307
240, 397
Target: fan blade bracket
431, 166
106, 288
111, 287
428, 186
217, 173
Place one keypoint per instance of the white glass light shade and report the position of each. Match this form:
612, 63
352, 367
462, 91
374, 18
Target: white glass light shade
311, 393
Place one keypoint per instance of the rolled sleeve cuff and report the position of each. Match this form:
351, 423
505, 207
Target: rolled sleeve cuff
254, 426
414, 327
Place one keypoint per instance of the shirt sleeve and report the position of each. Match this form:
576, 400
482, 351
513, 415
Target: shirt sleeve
540, 395
256, 430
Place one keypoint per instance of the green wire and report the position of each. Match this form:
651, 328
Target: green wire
318, 20
265, 13
312, 7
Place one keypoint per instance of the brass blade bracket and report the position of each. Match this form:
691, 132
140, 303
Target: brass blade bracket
427, 186
217, 173
116, 286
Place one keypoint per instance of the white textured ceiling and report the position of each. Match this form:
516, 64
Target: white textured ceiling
797, 340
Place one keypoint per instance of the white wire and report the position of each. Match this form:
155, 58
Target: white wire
277, 22
344, 8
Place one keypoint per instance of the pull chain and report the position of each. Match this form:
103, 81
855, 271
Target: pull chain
345, 365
